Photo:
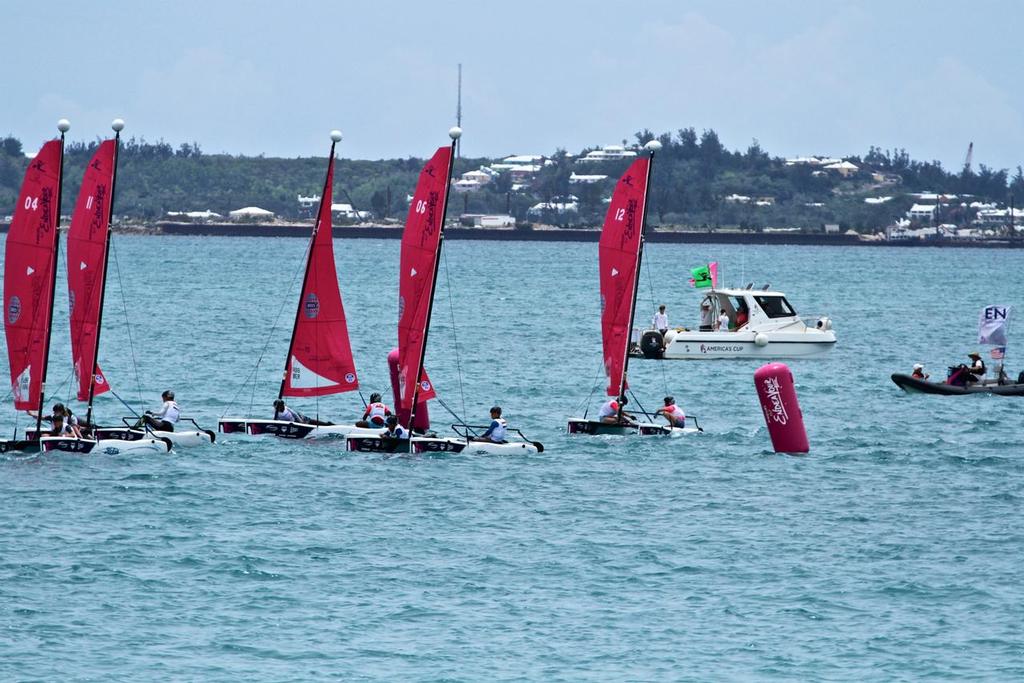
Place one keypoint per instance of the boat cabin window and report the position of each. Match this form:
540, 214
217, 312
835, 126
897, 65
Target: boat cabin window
775, 306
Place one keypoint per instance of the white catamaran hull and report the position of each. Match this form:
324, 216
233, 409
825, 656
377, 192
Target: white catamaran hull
579, 425
105, 446
507, 448
283, 428
178, 439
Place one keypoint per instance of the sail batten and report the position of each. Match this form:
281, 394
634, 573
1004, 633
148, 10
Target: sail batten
29, 275
421, 241
320, 360
87, 260
619, 259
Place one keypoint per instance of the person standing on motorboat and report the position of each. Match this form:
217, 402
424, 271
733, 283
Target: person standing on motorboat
168, 415
919, 372
376, 413
742, 314
660, 320
707, 318
977, 368
723, 322
612, 412
673, 413
499, 427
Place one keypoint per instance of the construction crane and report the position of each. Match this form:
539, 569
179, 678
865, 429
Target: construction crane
968, 158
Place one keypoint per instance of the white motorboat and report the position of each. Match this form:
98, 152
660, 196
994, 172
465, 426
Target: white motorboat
762, 325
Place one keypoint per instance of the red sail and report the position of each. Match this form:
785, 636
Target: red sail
87, 250
320, 361
28, 275
420, 242
618, 253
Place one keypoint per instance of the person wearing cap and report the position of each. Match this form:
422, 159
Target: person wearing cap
977, 368
376, 413
707, 318
612, 412
164, 419
393, 430
919, 372
660, 320
673, 413
496, 431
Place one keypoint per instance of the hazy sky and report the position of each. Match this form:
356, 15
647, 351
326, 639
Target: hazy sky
813, 77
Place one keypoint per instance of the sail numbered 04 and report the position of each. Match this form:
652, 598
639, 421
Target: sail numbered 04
320, 361
619, 258
420, 243
87, 256
28, 273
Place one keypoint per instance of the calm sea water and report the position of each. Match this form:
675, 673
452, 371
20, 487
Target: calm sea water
894, 550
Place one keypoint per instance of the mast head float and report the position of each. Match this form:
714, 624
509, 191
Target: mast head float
455, 132
63, 125
117, 125
336, 135
653, 146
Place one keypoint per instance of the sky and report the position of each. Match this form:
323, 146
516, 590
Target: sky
273, 78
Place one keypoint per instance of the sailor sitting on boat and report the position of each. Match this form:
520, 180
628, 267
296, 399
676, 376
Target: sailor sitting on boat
673, 413
164, 419
496, 431
919, 372
376, 413
612, 413
977, 368
394, 430
63, 423
283, 412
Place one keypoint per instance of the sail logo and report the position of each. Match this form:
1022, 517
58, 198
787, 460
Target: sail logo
350, 377
71, 301
311, 306
424, 385
13, 310
777, 411
630, 215
100, 379
401, 306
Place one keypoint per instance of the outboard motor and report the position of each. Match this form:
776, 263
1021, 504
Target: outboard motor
652, 344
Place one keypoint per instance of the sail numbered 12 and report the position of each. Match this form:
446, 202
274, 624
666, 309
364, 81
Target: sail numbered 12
619, 257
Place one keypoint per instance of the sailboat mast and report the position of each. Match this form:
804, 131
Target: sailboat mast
118, 126
652, 147
455, 133
63, 126
335, 137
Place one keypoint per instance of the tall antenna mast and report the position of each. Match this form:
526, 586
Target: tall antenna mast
458, 116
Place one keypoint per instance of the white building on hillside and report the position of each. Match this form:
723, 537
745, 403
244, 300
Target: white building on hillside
607, 153
921, 212
251, 213
577, 178
843, 168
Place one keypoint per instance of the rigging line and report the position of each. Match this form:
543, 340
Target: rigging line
270, 335
460, 420
455, 337
128, 327
661, 366
593, 387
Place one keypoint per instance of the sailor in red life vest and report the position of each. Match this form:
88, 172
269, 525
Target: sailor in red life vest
376, 413
609, 412
673, 413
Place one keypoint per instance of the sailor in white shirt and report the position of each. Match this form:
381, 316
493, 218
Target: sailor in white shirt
723, 322
168, 415
660, 320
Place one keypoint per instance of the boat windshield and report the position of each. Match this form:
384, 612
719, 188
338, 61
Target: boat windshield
775, 306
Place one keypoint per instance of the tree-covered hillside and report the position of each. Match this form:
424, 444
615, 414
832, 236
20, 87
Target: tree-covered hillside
697, 182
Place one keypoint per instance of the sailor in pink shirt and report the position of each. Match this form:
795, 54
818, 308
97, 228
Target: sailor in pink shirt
673, 413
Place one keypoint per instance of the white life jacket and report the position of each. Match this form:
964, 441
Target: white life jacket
171, 412
676, 413
376, 412
609, 409
498, 430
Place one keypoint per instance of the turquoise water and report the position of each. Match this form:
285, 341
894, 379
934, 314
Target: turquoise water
892, 551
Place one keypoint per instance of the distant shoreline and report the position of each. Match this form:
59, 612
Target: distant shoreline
556, 235
572, 235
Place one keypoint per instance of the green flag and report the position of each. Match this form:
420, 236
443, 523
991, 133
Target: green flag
700, 277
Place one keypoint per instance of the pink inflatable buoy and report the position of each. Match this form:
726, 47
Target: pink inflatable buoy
777, 394
422, 416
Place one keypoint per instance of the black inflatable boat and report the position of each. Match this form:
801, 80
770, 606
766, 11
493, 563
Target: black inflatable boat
923, 386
